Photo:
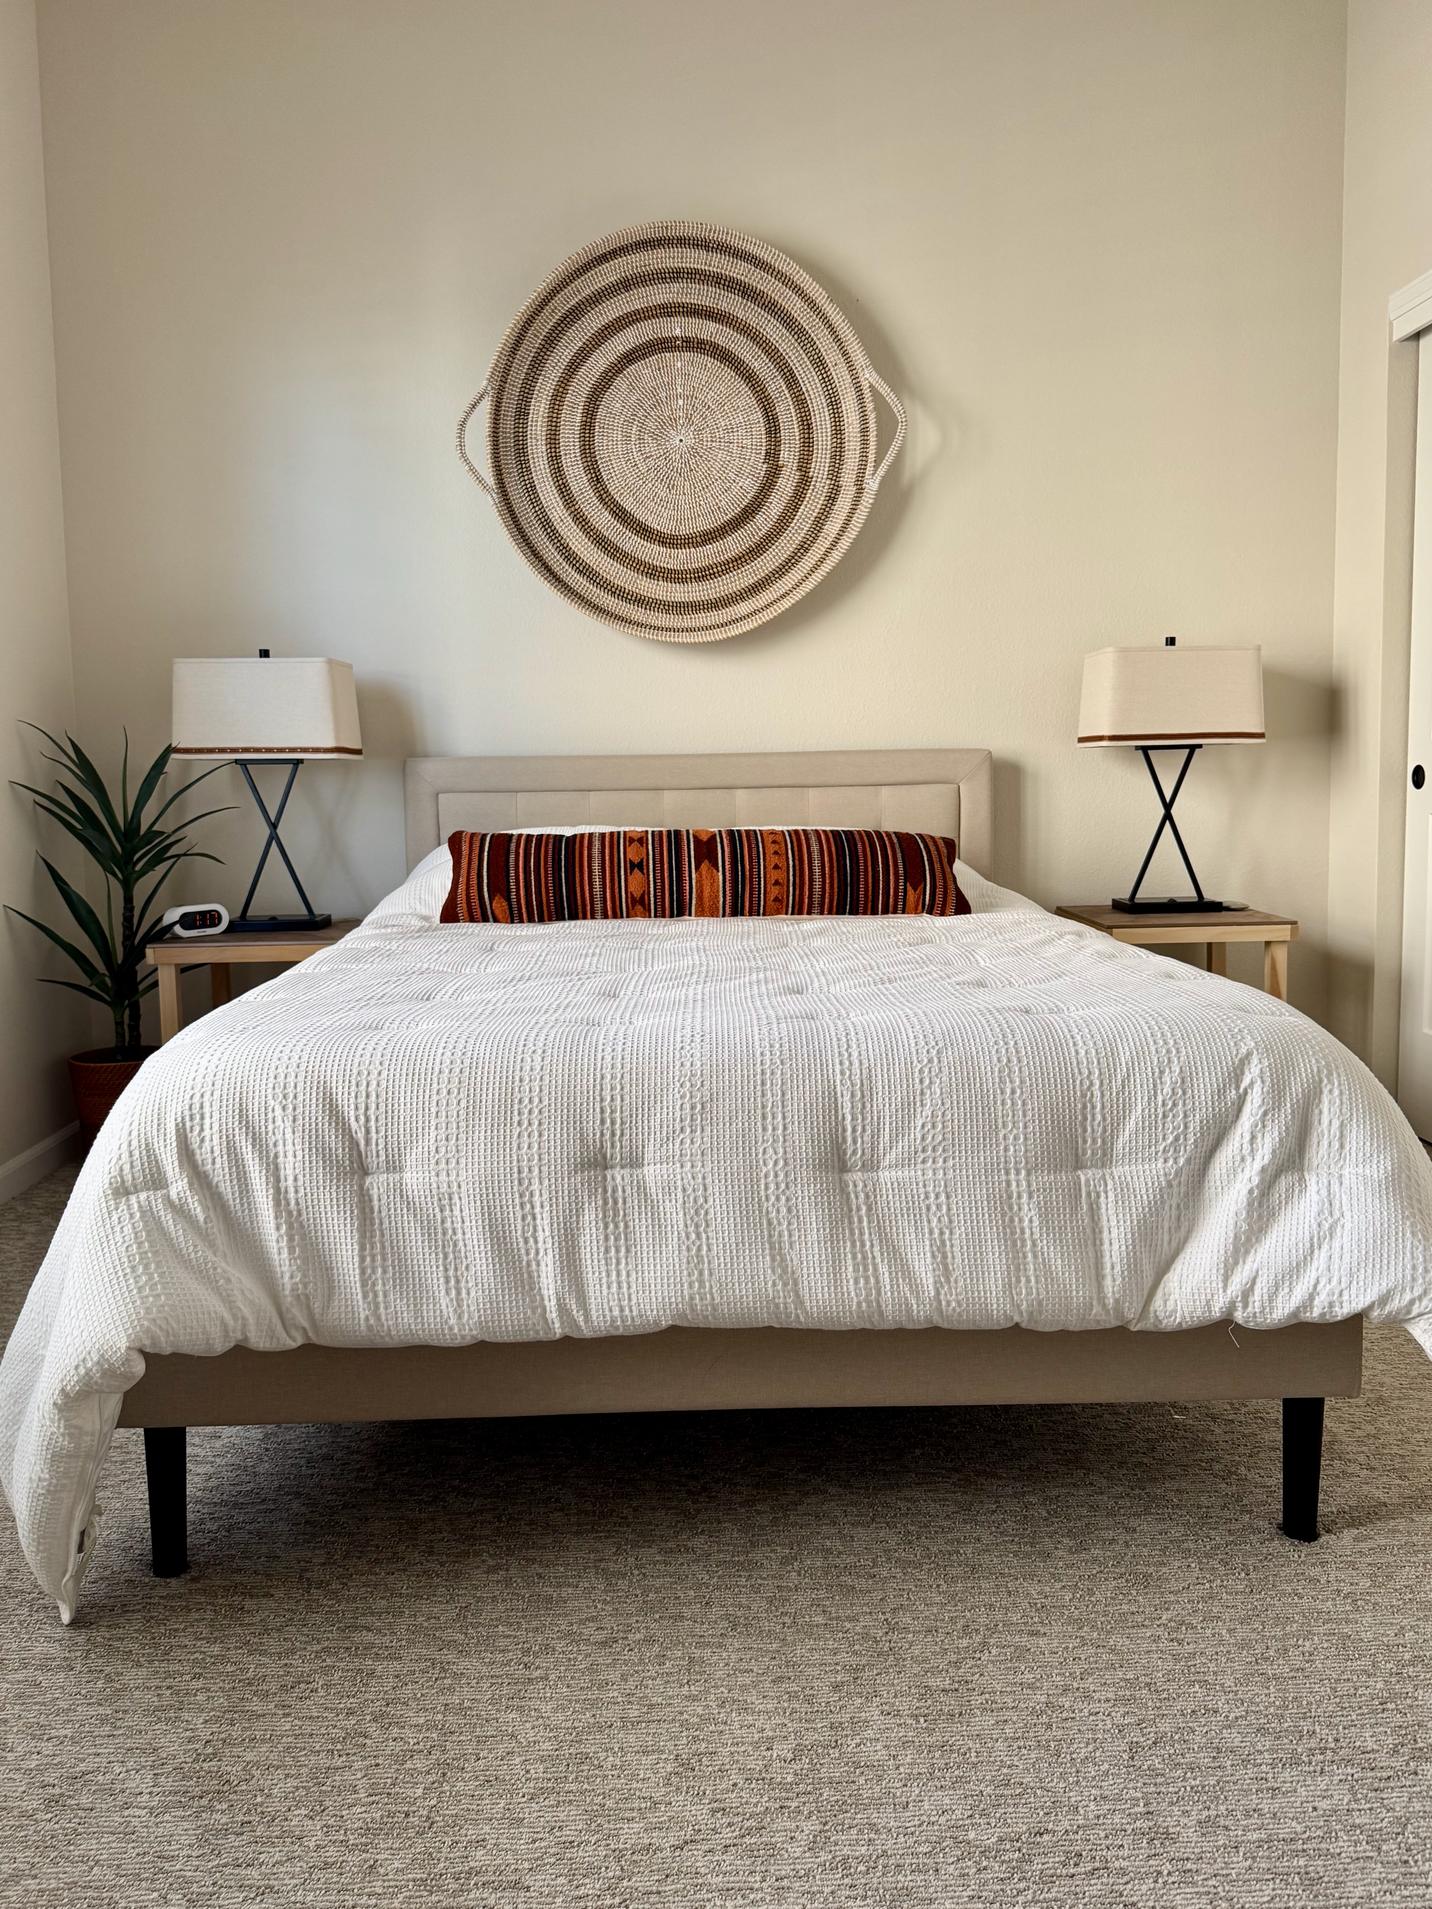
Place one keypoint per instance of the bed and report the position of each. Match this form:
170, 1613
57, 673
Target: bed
1050, 1169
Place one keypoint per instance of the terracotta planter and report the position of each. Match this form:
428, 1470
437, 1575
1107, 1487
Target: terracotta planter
97, 1080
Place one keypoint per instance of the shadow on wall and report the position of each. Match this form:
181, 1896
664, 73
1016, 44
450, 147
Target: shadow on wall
386, 716
878, 534
368, 790
1007, 861
1301, 708
1303, 716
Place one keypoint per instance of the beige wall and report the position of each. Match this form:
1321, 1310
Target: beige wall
1095, 247
39, 1025
1387, 242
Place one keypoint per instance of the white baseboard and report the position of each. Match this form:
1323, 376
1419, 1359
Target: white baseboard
35, 1162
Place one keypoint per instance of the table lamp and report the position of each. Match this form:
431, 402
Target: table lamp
267, 712
1170, 700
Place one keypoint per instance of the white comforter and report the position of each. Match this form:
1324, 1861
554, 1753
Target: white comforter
433, 1135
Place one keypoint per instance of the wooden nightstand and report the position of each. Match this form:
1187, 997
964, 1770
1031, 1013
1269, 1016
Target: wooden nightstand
219, 953
1215, 931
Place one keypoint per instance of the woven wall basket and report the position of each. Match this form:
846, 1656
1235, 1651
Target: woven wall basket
681, 431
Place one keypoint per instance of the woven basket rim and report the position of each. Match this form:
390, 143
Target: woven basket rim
822, 505
675, 229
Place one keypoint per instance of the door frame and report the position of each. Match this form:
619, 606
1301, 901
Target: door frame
1410, 310
1409, 314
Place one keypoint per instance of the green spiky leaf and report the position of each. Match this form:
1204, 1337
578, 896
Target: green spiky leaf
94, 845
136, 853
66, 948
84, 917
76, 987
192, 783
93, 782
147, 790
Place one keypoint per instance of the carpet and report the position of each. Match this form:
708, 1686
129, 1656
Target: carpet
1053, 1656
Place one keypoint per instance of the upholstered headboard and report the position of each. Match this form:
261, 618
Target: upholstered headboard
942, 791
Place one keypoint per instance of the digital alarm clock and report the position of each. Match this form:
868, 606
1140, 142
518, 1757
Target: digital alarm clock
199, 918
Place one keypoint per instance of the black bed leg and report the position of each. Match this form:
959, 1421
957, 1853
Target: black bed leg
1302, 1467
164, 1473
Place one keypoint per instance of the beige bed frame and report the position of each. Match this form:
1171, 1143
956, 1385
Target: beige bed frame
944, 790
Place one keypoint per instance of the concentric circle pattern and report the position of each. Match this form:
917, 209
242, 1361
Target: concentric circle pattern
681, 431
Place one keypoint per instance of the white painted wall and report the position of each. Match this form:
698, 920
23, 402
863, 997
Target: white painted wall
39, 1024
1095, 247
1387, 242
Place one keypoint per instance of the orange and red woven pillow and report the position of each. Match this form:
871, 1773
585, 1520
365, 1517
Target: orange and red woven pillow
618, 874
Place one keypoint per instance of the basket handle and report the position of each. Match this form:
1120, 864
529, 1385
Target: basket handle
472, 469
877, 383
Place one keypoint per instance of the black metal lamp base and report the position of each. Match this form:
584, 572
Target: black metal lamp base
1195, 904
276, 924
1173, 905
244, 923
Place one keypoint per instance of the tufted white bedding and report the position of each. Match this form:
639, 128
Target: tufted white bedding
433, 1135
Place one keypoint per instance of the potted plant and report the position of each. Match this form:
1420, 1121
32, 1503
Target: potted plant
135, 853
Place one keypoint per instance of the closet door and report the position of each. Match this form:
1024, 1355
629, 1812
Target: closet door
1414, 1076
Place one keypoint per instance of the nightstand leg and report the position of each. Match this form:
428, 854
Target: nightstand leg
170, 1019
1275, 968
1218, 957
220, 983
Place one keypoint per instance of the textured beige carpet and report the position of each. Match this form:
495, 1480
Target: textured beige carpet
977, 1658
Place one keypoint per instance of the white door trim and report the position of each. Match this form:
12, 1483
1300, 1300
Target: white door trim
1414, 1069
1410, 310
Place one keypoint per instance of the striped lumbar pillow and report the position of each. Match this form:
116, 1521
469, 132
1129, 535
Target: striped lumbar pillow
614, 874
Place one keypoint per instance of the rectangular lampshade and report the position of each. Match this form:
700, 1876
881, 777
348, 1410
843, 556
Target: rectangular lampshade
1172, 695
264, 706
